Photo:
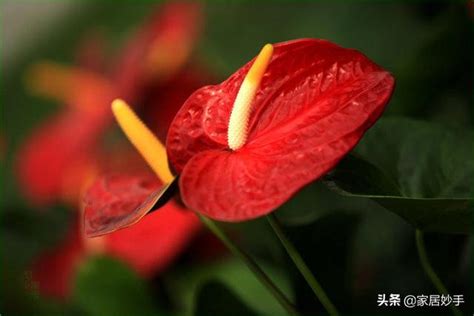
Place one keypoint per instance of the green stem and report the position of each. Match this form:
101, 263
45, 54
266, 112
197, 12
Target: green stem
434, 278
302, 267
258, 272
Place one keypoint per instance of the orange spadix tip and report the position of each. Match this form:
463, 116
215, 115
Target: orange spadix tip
260, 64
238, 123
118, 105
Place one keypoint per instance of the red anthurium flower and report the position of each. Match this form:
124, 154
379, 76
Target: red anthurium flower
151, 245
148, 247
66, 152
110, 195
63, 142
244, 147
68, 144
313, 104
160, 49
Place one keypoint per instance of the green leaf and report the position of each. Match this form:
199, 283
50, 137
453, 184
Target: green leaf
370, 182
215, 299
315, 201
309, 204
107, 287
420, 171
235, 274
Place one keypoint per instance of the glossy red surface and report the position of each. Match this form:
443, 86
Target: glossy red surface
117, 201
314, 104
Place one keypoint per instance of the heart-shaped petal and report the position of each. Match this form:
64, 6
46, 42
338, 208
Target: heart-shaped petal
314, 104
117, 201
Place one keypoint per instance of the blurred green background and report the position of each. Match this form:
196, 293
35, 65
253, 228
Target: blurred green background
356, 248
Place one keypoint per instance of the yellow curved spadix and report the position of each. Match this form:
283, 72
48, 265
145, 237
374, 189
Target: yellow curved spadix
152, 150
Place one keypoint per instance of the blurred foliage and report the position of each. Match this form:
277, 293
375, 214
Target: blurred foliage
237, 277
228, 303
107, 287
25, 234
354, 246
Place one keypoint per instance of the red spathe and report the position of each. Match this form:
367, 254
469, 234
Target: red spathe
314, 104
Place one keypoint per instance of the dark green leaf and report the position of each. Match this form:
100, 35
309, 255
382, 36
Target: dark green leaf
216, 299
372, 181
235, 274
420, 171
107, 287
315, 201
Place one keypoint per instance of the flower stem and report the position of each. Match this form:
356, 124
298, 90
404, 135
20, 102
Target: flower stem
434, 278
302, 267
251, 264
